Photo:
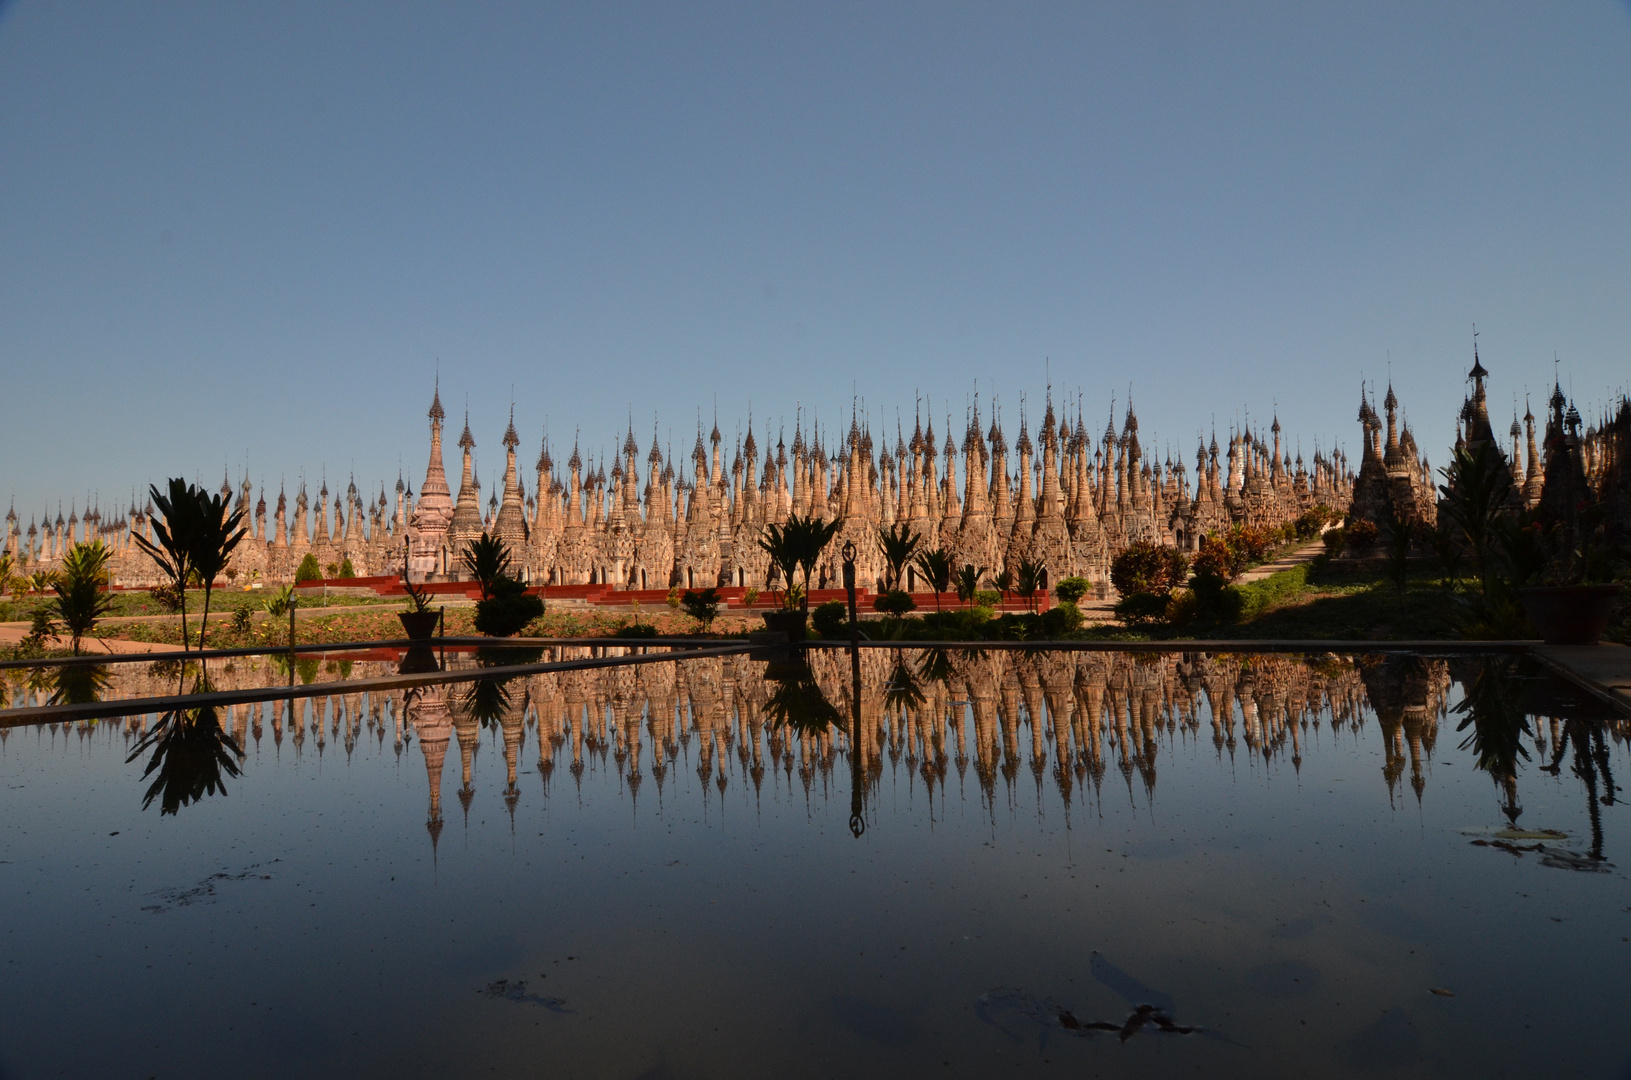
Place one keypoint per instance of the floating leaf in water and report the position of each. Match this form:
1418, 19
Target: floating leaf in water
517, 991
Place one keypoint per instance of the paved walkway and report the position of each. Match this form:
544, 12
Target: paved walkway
1296, 557
1603, 669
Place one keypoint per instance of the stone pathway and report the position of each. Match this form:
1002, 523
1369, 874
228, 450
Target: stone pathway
1604, 668
1297, 557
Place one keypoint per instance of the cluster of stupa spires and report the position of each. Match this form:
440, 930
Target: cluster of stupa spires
1061, 497
1064, 500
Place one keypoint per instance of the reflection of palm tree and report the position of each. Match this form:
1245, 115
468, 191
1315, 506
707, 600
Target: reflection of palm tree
799, 703
1587, 763
1498, 724
79, 684
902, 691
192, 755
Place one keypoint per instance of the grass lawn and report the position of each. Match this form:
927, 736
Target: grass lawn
1346, 606
384, 626
227, 600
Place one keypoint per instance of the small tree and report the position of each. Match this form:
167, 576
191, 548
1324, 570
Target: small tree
80, 599
177, 531
702, 605
1144, 567
1029, 581
346, 569
486, 559
935, 566
797, 544
308, 570
817, 534
220, 529
505, 607
1071, 590
898, 544
968, 582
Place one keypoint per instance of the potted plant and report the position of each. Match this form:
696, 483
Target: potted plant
1576, 596
420, 623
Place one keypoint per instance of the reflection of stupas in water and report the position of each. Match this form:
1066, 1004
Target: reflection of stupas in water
468, 731
1065, 717
433, 725
1407, 693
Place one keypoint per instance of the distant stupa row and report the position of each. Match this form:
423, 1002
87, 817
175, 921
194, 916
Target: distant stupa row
1060, 497
1067, 500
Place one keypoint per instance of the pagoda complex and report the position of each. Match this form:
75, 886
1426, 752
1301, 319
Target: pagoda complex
1056, 494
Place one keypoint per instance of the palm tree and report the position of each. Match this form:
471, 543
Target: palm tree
80, 599
1477, 487
219, 532
487, 559
968, 582
780, 542
817, 535
1030, 580
898, 543
178, 535
798, 543
935, 566
1004, 582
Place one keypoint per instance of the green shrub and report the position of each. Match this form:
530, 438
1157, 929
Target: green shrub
346, 569
895, 602
1070, 590
277, 603
635, 630
1183, 607
987, 598
308, 569
1143, 608
1017, 626
167, 597
1148, 568
831, 620
702, 605
1362, 534
1310, 522
957, 624
1335, 541
1061, 620
507, 609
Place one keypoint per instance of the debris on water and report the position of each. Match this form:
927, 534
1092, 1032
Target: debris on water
1440, 991
1560, 858
1132, 991
1050, 1014
517, 991
1512, 832
204, 891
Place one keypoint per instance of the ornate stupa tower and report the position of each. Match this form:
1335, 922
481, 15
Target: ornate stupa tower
427, 530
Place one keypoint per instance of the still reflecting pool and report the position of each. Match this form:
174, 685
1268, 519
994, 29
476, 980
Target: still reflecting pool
1014, 863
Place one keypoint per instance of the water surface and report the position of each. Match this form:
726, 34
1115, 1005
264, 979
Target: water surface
1072, 864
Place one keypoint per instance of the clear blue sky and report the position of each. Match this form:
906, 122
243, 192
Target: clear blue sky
236, 233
